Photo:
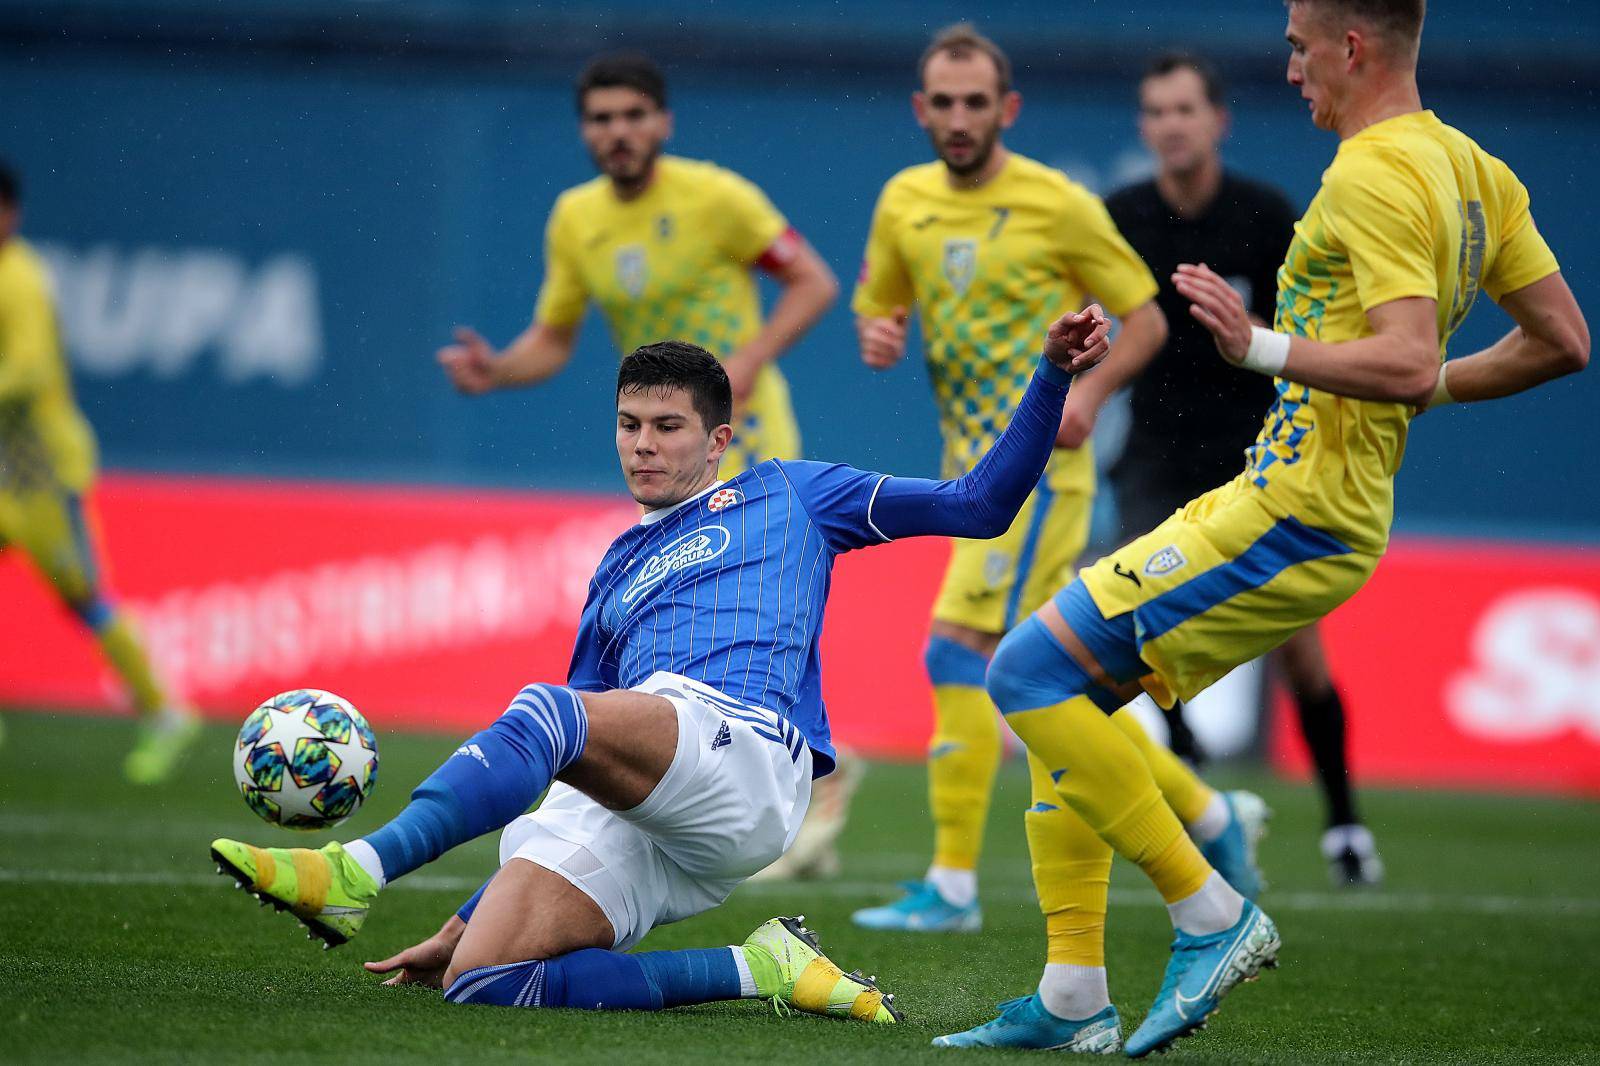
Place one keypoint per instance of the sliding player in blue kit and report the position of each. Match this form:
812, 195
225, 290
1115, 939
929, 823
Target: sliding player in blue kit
679, 755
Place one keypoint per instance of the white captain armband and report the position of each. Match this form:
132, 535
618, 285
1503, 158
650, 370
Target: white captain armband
1268, 353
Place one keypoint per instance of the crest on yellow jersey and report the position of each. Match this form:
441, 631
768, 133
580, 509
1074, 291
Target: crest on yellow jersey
1164, 561
960, 263
631, 270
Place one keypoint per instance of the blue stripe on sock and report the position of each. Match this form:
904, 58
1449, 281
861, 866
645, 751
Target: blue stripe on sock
952, 663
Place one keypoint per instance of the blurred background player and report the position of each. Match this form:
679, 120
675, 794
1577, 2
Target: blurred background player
1193, 415
47, 461
990, 246
1412, 221
667, 247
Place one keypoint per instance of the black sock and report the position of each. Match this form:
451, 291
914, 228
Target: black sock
1322, 724
1179, 737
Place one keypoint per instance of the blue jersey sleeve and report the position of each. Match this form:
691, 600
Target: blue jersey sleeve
984, 502
839, 500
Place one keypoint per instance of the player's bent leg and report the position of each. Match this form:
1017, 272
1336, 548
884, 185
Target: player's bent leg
1071, 1009
491, 779
1059, 710
963, 757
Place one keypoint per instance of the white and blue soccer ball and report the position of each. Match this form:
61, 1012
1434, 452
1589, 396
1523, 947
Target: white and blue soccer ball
306, 759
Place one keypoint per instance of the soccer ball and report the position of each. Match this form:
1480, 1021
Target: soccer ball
305, 759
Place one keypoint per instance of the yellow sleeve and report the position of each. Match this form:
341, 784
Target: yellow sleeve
748, 221
1382, 220
1100, 258
884, 283
1524, 257
562, 297
28, 339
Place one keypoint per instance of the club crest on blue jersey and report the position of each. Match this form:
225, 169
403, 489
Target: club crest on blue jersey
631, 269
960, 263
693, 548
1164, 561
724, 498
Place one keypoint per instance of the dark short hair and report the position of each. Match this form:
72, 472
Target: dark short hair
680, 365
1398, 19
1171, 62
10, 186
958, 42
626, 70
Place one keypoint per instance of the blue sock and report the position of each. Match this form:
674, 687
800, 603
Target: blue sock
595, 979
491, 779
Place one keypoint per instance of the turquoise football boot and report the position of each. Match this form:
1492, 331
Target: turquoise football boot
1233, 854
1024, 1023
1202, 970
921, 910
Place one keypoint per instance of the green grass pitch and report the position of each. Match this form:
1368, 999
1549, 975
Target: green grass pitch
119, 943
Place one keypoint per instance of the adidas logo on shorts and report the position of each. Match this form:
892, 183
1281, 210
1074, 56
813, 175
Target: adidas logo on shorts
723, 738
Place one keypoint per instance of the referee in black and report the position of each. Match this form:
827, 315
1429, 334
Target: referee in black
1193, 414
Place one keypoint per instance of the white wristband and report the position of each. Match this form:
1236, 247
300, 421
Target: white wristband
1441, 391
1269, 351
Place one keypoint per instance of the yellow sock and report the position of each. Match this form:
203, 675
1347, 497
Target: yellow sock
962, 759
121, 645
1071, 874
1185, 793
1103, 776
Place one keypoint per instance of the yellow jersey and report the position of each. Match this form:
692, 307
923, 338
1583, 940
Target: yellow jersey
45, 443
1410, 207
989, 269
673, 263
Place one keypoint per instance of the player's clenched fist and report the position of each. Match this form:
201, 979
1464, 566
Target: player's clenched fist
469, 362
1078, 339
883, 340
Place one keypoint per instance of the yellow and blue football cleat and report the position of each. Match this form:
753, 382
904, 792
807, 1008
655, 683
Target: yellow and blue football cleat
1202, 970
325, 889
1024, 1023
790, 969
163, 741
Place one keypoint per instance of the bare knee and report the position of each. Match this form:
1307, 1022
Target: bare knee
528, 913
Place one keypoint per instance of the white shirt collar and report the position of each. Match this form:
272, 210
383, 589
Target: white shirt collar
650, 518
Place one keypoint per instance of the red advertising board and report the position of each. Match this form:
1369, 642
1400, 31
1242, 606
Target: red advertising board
428, 608
1461, 663
1473, 664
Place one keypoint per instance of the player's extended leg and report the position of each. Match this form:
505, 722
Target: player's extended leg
1059, 706
1071, 1011
536, 940
963, 757
55, 531
1347, 845
614, 746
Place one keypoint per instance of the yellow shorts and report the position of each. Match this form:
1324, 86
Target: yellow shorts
1225, 579
766, 429
54, 529
991, 585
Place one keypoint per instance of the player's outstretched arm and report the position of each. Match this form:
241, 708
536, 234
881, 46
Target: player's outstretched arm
537, 354
1399, 363
1551, 340
984, 502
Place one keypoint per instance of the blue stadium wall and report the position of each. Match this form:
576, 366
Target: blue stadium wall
265, 227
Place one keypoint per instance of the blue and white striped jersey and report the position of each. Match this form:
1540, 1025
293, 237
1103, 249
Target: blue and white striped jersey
728, 588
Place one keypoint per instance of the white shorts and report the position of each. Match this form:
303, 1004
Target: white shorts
729, 805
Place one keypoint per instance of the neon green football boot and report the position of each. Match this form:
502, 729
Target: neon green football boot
325, 889
164, 739
790, 969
